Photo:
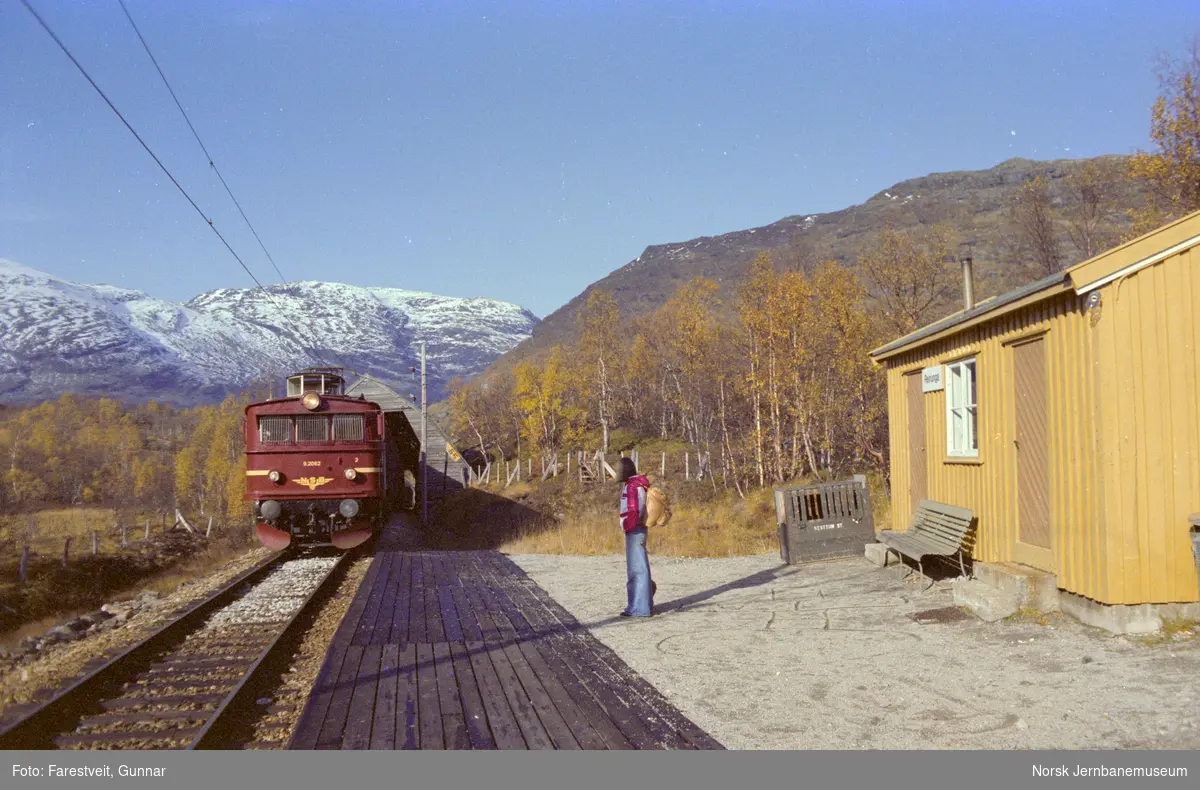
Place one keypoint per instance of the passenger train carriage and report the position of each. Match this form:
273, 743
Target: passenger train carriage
316, 464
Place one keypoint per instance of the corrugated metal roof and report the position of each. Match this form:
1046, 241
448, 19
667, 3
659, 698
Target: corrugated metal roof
378, 392
390, 400
1147, 249
983, 308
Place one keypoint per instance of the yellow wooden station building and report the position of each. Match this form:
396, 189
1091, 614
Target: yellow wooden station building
1066, 415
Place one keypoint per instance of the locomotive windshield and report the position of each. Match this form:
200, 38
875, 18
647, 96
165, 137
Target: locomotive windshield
310, 428
323, 381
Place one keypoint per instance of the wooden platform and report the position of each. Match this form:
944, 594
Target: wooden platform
461, 650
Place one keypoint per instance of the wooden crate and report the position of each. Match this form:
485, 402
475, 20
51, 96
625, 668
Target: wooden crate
824, 521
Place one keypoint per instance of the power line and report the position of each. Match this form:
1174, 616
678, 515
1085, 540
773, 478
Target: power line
158, 161
211, 163
196, 134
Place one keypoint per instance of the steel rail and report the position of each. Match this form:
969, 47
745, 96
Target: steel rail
38, 728
239, 699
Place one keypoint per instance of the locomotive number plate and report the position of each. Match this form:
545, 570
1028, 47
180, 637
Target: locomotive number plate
312, 463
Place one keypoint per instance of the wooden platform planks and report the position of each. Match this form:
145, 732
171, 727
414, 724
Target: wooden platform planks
407, 730
475, 715
399, 631
429, 702
383, 720
461, 650
361, 710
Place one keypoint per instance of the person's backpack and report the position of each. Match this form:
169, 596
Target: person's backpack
658, 507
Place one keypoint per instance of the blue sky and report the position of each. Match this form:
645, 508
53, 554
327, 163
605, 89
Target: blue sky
521, 151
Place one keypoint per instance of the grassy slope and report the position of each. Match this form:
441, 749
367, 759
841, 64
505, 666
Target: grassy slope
159, 564
564, 516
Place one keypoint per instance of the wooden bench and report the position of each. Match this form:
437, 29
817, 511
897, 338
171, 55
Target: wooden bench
936, 530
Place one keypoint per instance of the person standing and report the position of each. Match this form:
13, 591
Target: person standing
639, 587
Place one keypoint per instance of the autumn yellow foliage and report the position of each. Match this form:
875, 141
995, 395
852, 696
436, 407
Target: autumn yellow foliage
78, 452
1173, 168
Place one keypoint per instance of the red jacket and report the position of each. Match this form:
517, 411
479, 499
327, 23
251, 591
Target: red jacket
633, 503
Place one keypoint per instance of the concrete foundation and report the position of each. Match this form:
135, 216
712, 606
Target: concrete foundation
1143, 618
999, 589
1034, 589
985, 602
877, 553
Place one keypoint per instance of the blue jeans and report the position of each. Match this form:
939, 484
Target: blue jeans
637, 566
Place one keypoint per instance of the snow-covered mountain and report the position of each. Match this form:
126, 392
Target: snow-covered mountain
58, 336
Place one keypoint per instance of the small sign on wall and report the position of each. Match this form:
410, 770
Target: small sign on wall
931, 379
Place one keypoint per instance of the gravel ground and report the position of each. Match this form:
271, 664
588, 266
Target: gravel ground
828, 656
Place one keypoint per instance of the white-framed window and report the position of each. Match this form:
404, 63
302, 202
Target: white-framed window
962, 420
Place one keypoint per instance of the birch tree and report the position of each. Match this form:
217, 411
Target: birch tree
1172, 169
909, 274
1089, 213
1033, 221
599, 351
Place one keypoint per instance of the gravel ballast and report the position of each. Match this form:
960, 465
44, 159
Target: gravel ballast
281, 710
828, 656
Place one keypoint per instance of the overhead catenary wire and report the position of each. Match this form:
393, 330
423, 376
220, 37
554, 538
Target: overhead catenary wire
209, 157
157, 161
212, 164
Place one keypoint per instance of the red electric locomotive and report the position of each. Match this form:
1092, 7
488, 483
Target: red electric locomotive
315, 464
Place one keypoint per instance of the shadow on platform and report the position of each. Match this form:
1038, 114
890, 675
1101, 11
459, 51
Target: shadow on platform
467, 520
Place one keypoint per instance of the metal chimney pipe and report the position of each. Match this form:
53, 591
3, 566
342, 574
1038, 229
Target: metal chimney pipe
968, 284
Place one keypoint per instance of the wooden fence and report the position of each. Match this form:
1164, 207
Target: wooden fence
590, 466
181, 522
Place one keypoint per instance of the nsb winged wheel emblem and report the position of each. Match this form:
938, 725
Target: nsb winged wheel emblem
313, 482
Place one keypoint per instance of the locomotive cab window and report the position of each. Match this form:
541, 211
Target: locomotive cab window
274, 429
347, 427
312, 428
320, 382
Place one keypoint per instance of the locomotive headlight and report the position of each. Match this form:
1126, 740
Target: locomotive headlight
351, 474
270, 509
348, 508
311, 401
273, 475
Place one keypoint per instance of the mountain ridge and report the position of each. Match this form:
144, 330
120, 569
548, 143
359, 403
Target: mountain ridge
972, 202
61, 336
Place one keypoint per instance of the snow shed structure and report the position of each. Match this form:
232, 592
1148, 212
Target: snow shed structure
1066, 415
447, 471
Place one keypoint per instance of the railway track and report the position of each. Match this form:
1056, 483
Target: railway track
191, 684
